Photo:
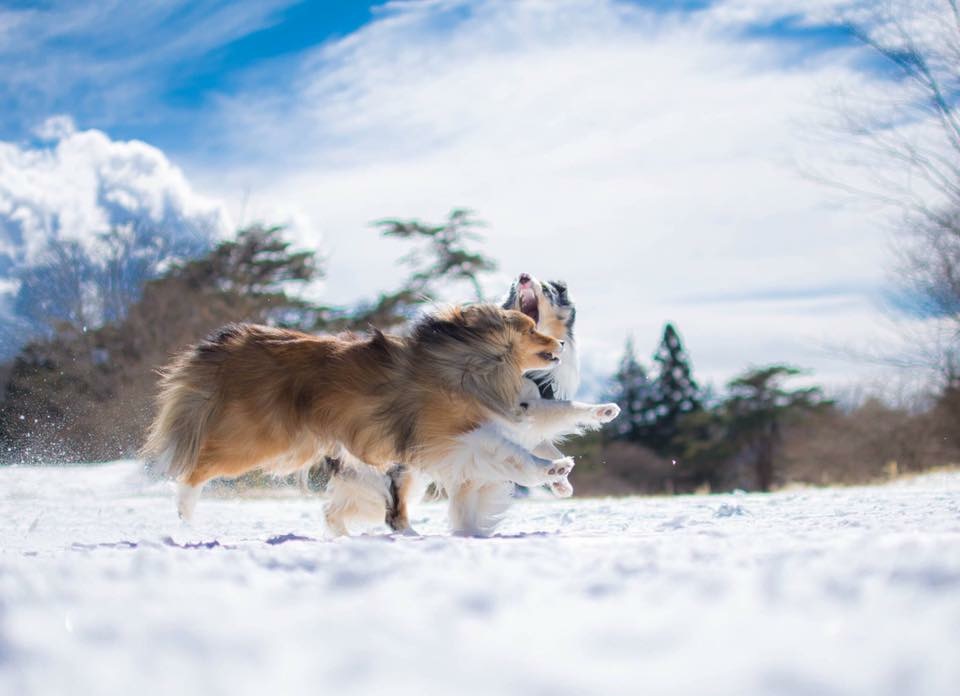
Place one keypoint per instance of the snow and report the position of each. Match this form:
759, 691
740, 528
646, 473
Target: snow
829, 591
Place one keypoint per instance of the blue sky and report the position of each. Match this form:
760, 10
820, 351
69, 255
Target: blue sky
121, 68
653, 153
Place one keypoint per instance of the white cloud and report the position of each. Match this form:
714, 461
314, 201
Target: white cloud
79, 183
737, 13
646, 158
56, 128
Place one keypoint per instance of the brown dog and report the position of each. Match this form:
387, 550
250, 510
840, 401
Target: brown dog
252, 397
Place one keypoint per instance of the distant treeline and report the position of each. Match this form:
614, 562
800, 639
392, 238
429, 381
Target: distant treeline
673, 436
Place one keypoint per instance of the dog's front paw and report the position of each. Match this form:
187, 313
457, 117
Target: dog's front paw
560, 469
562, 488
604, 413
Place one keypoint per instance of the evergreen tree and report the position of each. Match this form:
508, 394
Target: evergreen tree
632, 391
676, 394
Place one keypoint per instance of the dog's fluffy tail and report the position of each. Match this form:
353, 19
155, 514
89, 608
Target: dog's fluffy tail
186, 403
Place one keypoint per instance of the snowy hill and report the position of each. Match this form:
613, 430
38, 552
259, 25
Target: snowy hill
837, 591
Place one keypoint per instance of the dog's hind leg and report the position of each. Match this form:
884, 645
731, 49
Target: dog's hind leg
187, 497
403, 487
476, 509
356, 493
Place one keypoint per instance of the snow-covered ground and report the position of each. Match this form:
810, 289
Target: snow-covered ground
842, 591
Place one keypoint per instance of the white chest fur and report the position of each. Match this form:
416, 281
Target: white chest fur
566, 377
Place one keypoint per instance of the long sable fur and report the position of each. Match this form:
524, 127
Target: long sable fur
252, 396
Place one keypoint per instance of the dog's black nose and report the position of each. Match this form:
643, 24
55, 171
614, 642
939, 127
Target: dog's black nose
524, 278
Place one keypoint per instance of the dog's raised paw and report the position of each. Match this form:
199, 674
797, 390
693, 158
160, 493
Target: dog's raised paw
604, 413
562, 488
561, 468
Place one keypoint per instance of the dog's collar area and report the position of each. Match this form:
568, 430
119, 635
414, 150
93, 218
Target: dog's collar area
546, 387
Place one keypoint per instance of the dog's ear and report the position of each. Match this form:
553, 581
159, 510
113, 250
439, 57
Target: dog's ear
442, 325
466, 323
470, 315
557, 290
518, 320
485, 318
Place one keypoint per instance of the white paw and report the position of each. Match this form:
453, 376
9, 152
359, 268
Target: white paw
559, 469
562, 488
604, 413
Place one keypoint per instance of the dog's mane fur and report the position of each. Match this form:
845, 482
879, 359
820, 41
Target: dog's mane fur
470, 356
459, 352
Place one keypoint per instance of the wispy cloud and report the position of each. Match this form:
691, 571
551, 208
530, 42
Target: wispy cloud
107, 63
797, 295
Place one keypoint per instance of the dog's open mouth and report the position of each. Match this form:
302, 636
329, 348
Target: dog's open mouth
548, 356
529, 304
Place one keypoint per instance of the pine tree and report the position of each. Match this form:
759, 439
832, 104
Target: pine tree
632, 391
676, 393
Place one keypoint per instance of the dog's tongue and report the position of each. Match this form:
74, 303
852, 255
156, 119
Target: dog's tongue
528, 302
